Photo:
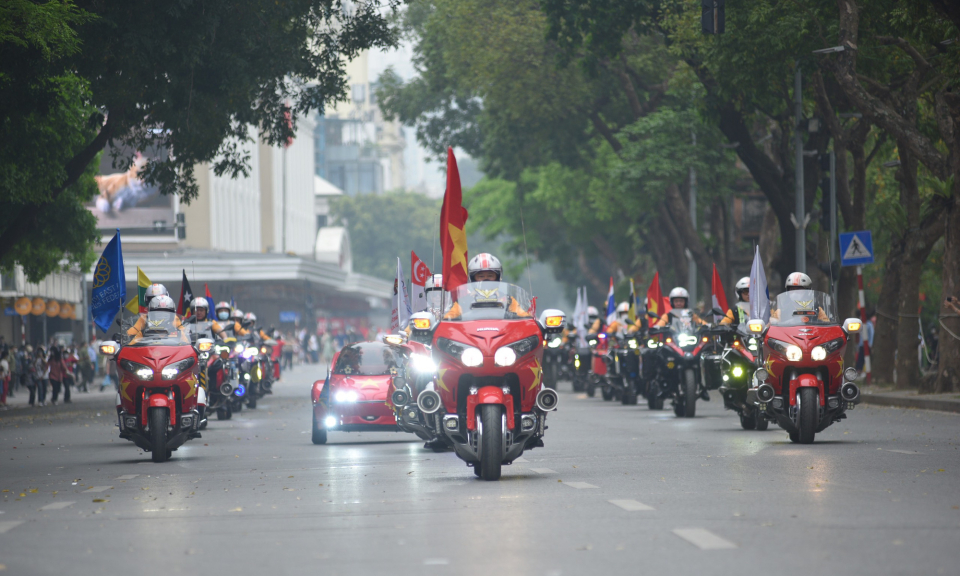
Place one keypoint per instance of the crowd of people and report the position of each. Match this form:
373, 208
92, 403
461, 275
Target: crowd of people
49, 372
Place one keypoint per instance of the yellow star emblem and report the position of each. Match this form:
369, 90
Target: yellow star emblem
459, 238
123, 390
537, 373
442, 371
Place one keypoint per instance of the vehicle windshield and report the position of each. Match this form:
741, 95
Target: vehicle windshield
803, 308
435, 301
200, 329
368, 359
488, 301
156, 328
681, 321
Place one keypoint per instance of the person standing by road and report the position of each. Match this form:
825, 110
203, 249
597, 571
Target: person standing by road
58, 372
326, 348
42, 372
288, 349
4, 377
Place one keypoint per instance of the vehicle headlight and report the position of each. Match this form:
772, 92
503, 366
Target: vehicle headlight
794, 353
504, 356
422, 364
238, 348
555, 343
525, 346
451, 347
737, 371
687, 340
142, 372
818, 353
250, 352
592, 342
652, 343
471, 357
632, 343
171, 371
346, 396
834, 345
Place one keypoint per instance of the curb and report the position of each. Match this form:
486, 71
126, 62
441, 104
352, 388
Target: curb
918, 402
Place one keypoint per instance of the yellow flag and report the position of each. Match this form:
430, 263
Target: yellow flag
136, 304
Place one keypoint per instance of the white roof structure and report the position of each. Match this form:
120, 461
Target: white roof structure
333, 247
323, 187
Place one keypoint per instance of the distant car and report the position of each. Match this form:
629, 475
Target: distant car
355, 396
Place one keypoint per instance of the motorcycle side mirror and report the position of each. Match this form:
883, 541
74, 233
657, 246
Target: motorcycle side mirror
717, 312
756, 327
116, 336
109, 348
552, 320
652, 315
851, 325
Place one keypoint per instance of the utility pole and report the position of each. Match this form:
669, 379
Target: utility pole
833, 220
799, 218
692, 265
283, 205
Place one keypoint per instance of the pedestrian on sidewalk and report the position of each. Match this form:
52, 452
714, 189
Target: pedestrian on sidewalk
4, 377
70, 359
30, 374
58, 372
288, 349
86, 367
42, 374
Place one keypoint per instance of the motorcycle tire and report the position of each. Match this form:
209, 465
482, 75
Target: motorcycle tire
159, 418
607, 393
690, 393
591, 391
491, 454
577, 384
629, 396
748, 421
654, 400
252, 403
794, 436
762, 423
678, 409
319, 436
809, 415
222, 414
552, 377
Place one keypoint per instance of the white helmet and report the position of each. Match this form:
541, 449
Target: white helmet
484, 263
162, 302
153, 291
434, 282
679, 292
798, 281
592, 312
743, 283
623, 307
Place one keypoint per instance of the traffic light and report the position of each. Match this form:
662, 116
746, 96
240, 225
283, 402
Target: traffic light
712, 20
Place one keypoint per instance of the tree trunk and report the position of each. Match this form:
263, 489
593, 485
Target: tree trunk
884, 349
908, 370
948, 378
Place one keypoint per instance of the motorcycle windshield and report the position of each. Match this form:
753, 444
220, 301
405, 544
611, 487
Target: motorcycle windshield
803, 308
197, 330
488, 301
367, 359
682, 324
158, 328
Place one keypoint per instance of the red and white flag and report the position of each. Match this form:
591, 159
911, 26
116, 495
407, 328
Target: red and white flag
418, 281
719, 297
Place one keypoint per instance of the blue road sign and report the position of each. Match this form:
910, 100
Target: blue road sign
856, 248
290, 317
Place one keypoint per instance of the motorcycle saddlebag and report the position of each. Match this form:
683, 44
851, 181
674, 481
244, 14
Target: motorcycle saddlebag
710, 367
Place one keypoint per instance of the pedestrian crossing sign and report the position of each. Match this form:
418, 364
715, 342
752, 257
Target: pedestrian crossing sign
856, 248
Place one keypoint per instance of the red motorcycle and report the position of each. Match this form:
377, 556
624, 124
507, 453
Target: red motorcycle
489, 399
802, 385
161, 402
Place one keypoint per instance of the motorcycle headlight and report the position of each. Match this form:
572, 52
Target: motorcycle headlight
652, 343
794, 353
171, 371
471, 357
142, 372
505, 356
346, 396
238, 348
250, 352
555, 343
422, 364
592, 342
632, 343
737, 371
686, 340
834, 345
451, 347
524, 346
818, 353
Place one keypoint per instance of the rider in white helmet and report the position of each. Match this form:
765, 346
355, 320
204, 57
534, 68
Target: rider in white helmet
152, 291
741, 312
799, 281
594, 321
679, 301
622, 324
486, 267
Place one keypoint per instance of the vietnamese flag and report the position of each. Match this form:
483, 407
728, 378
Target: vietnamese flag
719, 297
453, 233
655, 297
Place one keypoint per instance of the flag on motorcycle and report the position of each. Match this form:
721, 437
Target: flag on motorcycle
719, 297
418, 283
208, 296
109, 285
400, 314
611, 304
138, 305
632, 311
655, 297
186, 297
580, 317
453, 233
759, 293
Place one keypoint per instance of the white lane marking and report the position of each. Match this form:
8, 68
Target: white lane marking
904, 452
521, 459
57, 506
127, 477
9, 525
97, 489
704, 539
630, 505
436, 562
579, 485
544, 471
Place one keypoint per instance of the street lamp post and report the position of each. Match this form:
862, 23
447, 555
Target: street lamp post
799, 219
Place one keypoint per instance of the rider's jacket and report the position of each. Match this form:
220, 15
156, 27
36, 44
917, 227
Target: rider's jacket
233, 328
208, 328
666, 318
624, 326
513, 307
739, 314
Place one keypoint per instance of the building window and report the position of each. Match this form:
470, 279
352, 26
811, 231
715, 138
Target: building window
321, 221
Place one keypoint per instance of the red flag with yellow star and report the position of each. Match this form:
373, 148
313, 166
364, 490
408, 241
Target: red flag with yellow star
453, 233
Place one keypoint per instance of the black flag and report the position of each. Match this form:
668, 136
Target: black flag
186, 297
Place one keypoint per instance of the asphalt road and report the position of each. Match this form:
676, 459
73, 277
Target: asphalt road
616, 490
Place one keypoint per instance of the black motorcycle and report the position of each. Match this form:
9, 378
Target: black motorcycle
624, 378
676, 371
553, 361
731, 372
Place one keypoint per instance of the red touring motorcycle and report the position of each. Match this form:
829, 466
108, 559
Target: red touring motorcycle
355, 396
489, 399
161, 402
803, 385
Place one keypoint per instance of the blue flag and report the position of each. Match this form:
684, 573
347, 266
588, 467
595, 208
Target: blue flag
109, 285
759, 293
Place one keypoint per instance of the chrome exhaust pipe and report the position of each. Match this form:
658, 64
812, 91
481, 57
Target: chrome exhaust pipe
428, 401
400, 398
547, 400
226, 388
765, 393
850, 392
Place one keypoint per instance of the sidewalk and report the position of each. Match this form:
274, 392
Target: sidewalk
910, 399
19, 405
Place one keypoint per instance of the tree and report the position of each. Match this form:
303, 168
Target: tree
191, 76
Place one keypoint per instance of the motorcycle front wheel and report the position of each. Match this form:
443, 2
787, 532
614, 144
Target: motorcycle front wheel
159, 417
690, 393
491, 441
629, 396
654, 400
748, 421
809, 408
